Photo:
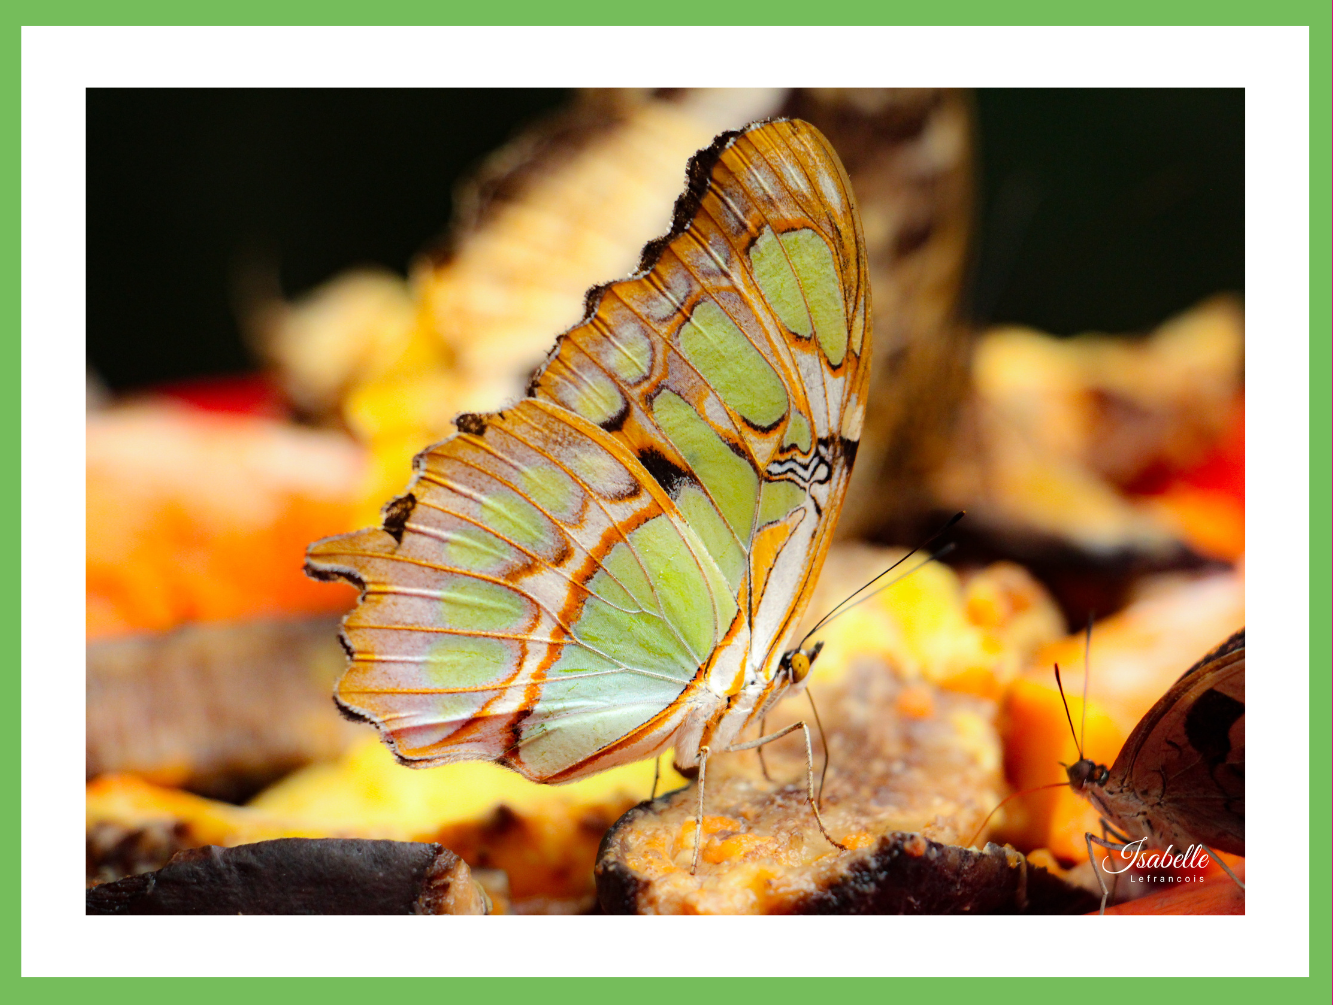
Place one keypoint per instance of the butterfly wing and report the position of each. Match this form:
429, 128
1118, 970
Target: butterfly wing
1185, 761
735, 365
570, 579
531, 588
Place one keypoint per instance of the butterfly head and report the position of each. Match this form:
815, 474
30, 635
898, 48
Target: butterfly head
1085, 772
796, 663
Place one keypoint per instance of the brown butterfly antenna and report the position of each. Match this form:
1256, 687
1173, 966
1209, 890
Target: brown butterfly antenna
1013, 795
1078, 744
1087, 673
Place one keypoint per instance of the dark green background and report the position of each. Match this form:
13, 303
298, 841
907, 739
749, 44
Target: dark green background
1105, 209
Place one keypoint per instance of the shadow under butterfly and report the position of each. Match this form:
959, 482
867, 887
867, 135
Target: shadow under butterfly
1179, 780
616, 563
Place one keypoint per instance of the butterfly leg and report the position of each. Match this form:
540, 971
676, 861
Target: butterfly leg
809, 770
1108, 829
1225, 868
699, 816
823, 742
1109, 846
657, 775
760, 750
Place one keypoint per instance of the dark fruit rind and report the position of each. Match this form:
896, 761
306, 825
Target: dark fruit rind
300, 876
902, 874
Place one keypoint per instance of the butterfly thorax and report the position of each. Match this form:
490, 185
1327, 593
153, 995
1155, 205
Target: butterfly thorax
1089, 779
788, 675
717, 726
1121, 808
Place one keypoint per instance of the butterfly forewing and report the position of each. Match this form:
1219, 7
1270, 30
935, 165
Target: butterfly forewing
571, 581
735, 367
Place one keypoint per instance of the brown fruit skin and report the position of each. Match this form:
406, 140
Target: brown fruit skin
300, 876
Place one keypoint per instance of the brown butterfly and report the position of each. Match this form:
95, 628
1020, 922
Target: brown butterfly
1180, 777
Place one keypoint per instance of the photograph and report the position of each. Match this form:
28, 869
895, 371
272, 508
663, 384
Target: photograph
809, 488
729, 501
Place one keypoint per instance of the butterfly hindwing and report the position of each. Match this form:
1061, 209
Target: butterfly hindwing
529, 586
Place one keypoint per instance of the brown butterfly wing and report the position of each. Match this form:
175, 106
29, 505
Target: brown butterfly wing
1185, 761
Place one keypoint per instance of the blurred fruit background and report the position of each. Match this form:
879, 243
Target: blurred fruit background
1096, 210
292, 292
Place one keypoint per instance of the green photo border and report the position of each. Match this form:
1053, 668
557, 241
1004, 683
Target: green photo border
1316, 988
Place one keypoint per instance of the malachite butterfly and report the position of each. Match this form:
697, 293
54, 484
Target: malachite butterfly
614, 564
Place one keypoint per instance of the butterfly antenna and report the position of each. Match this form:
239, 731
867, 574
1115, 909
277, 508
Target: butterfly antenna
837, 613
846, 604
1087, 672
1078, 744
972, 841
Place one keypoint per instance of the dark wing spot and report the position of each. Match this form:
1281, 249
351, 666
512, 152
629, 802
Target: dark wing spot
333, 575
667, 473
849, 448
1208, 725
617, 421
470, 423
833, 449
697, 175
592, 299
396, 514
516, 732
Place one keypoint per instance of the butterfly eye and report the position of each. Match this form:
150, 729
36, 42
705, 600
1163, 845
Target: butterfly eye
1079, 772
800, 666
